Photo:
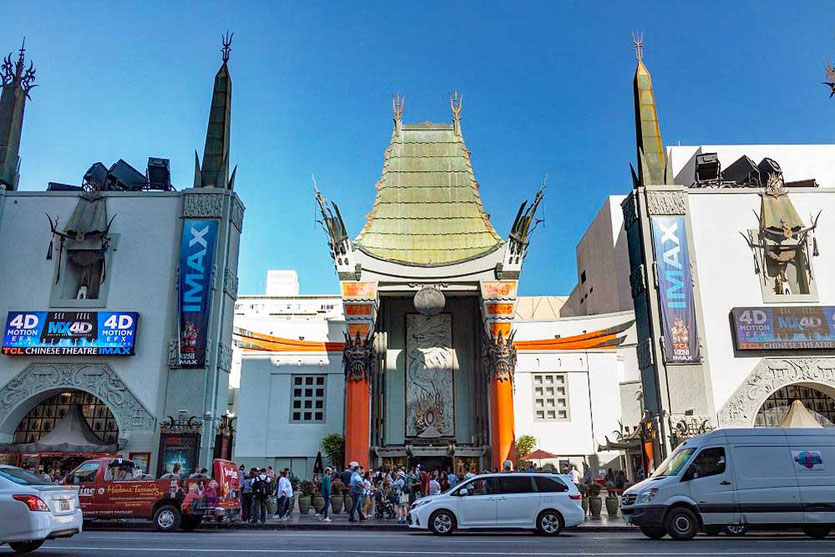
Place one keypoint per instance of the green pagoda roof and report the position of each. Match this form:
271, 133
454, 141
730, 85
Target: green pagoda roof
427, 211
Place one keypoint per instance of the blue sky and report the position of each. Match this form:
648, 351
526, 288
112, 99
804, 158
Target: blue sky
547, 89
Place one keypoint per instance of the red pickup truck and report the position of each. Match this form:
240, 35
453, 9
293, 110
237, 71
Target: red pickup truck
111, 488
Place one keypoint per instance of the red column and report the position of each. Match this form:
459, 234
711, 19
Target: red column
502, 431
357, 420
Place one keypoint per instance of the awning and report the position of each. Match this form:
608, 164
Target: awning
71, 434
798, 416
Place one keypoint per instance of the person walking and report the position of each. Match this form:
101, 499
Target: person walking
453, 479
260, 493
285, 496
355, 490
326, 494
434, 485
424, 482
246, 496
400, 497
575, 475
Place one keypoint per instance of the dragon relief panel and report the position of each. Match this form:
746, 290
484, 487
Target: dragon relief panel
430, 393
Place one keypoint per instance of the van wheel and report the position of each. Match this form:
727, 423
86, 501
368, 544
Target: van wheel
653, 532
549, 523
712, 530
442, 523
682, 524
735, 529
167, 518
820, 531
27, 546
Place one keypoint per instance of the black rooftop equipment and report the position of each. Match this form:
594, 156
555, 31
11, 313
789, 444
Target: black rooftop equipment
743, 172
124, 177
708, 169
767, 167
159, 174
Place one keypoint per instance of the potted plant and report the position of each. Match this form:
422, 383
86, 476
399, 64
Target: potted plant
336, 496
612, 501
294, 483
334, 446
584, 491
347, 498
318, 500
304, 498
595, 503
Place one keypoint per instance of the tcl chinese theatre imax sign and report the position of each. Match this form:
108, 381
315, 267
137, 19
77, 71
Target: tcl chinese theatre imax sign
70, 333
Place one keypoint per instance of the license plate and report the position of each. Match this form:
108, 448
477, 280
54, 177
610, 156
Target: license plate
63, 505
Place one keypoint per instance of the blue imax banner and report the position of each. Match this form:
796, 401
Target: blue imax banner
197, 252
784, 328
70, 333
675, 289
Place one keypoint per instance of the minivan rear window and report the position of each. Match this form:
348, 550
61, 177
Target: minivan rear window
516, 484
674, 463
549, 485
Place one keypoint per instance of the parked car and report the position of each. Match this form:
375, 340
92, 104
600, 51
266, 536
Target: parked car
33, 510
731, 479
546, 503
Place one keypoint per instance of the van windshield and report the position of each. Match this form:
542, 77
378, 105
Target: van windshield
674, 463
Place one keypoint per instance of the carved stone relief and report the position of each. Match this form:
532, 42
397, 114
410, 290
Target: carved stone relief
230, 283
770, 375
637, 281
666, 202
430, 396
203, 205
98, 379
645, 357
237, 213
224, 357
630, 211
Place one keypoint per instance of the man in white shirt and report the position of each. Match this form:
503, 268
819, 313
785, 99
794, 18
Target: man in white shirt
575, 475
285, 496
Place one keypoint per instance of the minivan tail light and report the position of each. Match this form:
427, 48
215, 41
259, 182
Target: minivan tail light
33, 502
576, 496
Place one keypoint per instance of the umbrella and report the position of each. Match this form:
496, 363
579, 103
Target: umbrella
799, 416
318, 468
539, 455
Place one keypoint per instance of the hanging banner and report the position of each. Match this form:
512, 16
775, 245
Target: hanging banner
70, 333
197, 252
675, 289
784, 328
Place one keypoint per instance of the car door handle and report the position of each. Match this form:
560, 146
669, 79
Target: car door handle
725, 482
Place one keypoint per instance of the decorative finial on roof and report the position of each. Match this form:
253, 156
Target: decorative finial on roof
456, 103
638, 44
829, 72
397, 103
14, 74
227, 45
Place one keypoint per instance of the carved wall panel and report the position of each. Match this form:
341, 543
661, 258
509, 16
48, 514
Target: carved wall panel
666, 202
203, 205
770, 375
430, 400
630, 211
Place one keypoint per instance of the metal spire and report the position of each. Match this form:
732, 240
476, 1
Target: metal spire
638, 44
227, 45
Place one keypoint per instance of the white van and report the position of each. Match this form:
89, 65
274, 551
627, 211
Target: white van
732, 478
546, 503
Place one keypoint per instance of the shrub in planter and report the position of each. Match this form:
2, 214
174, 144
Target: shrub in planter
612, 501
595, 502
348, 503
319, 503
336, 503
584, 491
304, 498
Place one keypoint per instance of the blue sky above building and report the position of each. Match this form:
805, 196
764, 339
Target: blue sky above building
547, 90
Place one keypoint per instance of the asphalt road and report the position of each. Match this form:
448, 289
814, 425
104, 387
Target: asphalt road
317, 543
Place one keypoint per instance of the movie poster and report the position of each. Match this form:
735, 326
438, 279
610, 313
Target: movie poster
178, 448
675, 289
195, 289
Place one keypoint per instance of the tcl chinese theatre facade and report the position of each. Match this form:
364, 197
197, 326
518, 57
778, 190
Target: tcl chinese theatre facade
429, 291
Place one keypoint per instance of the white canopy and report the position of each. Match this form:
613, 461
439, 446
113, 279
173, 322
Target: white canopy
71, 434
798, 416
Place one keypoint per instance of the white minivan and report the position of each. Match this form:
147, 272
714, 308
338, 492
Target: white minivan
732, 478
543, 502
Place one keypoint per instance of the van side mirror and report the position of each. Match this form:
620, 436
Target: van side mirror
689, 474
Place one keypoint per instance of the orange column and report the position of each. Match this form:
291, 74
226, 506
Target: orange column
357, 420
503, 435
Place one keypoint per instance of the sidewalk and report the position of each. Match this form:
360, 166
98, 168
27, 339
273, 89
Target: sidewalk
340, 522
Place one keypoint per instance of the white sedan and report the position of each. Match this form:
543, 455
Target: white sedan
34, 510
546, 503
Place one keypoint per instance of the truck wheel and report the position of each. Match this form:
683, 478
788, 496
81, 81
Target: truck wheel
655, 533
817, 531
26, 547
735, 529
167, 518
682, 524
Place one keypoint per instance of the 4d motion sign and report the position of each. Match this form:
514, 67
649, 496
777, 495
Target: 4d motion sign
784, 328
70, 333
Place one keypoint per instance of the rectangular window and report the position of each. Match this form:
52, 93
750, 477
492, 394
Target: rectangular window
550, 397
307, 399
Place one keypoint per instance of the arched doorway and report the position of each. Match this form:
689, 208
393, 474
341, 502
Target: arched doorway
820, 404
63, 430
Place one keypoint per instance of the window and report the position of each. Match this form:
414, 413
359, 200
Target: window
22, 477
516, 484
86, 473
307, 400
485, 486
582, 277
550, 397
709, 462
549, 485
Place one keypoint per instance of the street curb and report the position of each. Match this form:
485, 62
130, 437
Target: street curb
148, 527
